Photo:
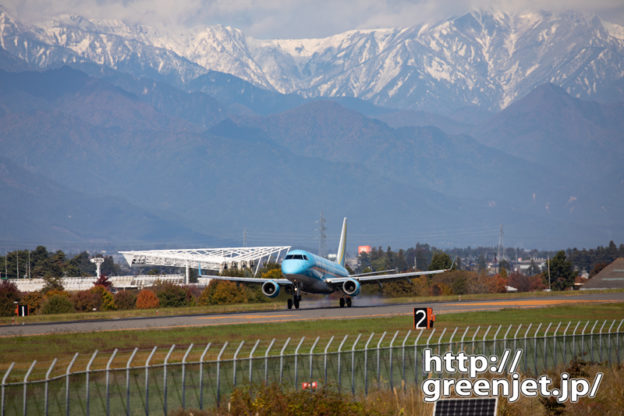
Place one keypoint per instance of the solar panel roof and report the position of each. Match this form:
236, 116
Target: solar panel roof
465, 407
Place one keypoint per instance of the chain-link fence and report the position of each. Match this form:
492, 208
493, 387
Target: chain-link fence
158, 380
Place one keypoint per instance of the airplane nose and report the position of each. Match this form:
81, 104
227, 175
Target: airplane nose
292, 266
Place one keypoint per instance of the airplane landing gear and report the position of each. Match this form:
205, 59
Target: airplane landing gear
296, 298
345, 301
342, 302
348, 302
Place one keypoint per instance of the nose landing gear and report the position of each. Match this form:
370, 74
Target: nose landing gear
294, 301
345, 300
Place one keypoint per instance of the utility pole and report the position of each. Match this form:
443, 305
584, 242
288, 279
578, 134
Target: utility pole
17, 262
322, 236
500, 254
548, 264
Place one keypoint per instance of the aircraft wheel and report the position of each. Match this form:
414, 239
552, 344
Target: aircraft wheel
296, 302
290, 303
348, 302
342, 302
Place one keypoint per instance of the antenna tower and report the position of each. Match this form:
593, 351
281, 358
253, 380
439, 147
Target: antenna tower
322, 237
500, 253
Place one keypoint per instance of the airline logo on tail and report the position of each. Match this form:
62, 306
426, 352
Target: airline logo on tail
340, 256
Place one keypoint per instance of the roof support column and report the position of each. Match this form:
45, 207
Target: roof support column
186, 276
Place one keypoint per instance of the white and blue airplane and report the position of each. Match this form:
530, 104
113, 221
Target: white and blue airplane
307, 272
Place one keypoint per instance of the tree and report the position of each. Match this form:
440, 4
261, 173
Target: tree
52, 282
147, 300
561, 272
8, 296
440, 260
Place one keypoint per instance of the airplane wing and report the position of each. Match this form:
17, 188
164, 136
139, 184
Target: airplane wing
378, 277
257, 280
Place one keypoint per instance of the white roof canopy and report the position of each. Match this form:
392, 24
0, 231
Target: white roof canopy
206, 258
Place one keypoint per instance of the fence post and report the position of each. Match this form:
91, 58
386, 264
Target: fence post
353, 364
416, 357
573, 341
545, 356
26, 385
266, 361
609, 352
461, 343
535, 347
312, 354
526, 355
617, 345
484, 337
147, 366
450, 343
366, 363
473, 339
583, 338
219, 373
325, 359
391, 346
296, 361
128, 381
108, 364
600, 341
4, 379
591, 342
201, 377
87, 373
45, 394
339, 359
282, 360
165, 378
234, 362
188, 351
251, 361
515, 340
67, 383
409, 331
378, 366
505, 337
555, 345
495, 335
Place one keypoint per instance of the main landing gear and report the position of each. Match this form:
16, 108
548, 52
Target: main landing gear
295, 299
345, 300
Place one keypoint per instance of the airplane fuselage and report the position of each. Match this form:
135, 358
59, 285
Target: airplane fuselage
308, 271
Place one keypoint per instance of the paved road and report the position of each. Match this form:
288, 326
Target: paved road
362, 308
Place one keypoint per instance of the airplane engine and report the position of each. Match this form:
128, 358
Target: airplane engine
270, 289
351, 287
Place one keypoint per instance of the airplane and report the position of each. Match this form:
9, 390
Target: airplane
306, 272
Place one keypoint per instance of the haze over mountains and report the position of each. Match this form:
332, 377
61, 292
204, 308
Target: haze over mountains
437, 133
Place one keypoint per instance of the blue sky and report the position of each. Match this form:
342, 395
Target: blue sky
292, 18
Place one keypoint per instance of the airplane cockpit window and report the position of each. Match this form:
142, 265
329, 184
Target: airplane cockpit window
305, 257
295, 257
289, 257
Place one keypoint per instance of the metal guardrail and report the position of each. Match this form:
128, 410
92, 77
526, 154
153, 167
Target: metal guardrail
348, 365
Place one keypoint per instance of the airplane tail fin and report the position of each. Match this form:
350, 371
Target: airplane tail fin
340, 256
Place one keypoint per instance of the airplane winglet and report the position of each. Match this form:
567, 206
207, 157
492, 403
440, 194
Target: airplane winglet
340, 256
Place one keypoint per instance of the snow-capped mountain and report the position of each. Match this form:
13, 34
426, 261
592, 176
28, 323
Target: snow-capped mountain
483, 59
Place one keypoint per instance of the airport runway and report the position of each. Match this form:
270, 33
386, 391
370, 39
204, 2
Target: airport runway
311, 310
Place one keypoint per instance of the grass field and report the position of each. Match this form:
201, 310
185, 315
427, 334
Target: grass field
43, 348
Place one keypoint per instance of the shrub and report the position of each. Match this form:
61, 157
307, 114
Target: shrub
8, 295
108, 302
220, 292
147, 299
34, 300
125, 299
169, 294
87, 300
57, 304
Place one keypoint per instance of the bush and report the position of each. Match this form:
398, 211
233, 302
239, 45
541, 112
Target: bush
125, 299
169, 294
87, 300
220, 292
108, 302
57, 304
147, 299
8, 296
34, 300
